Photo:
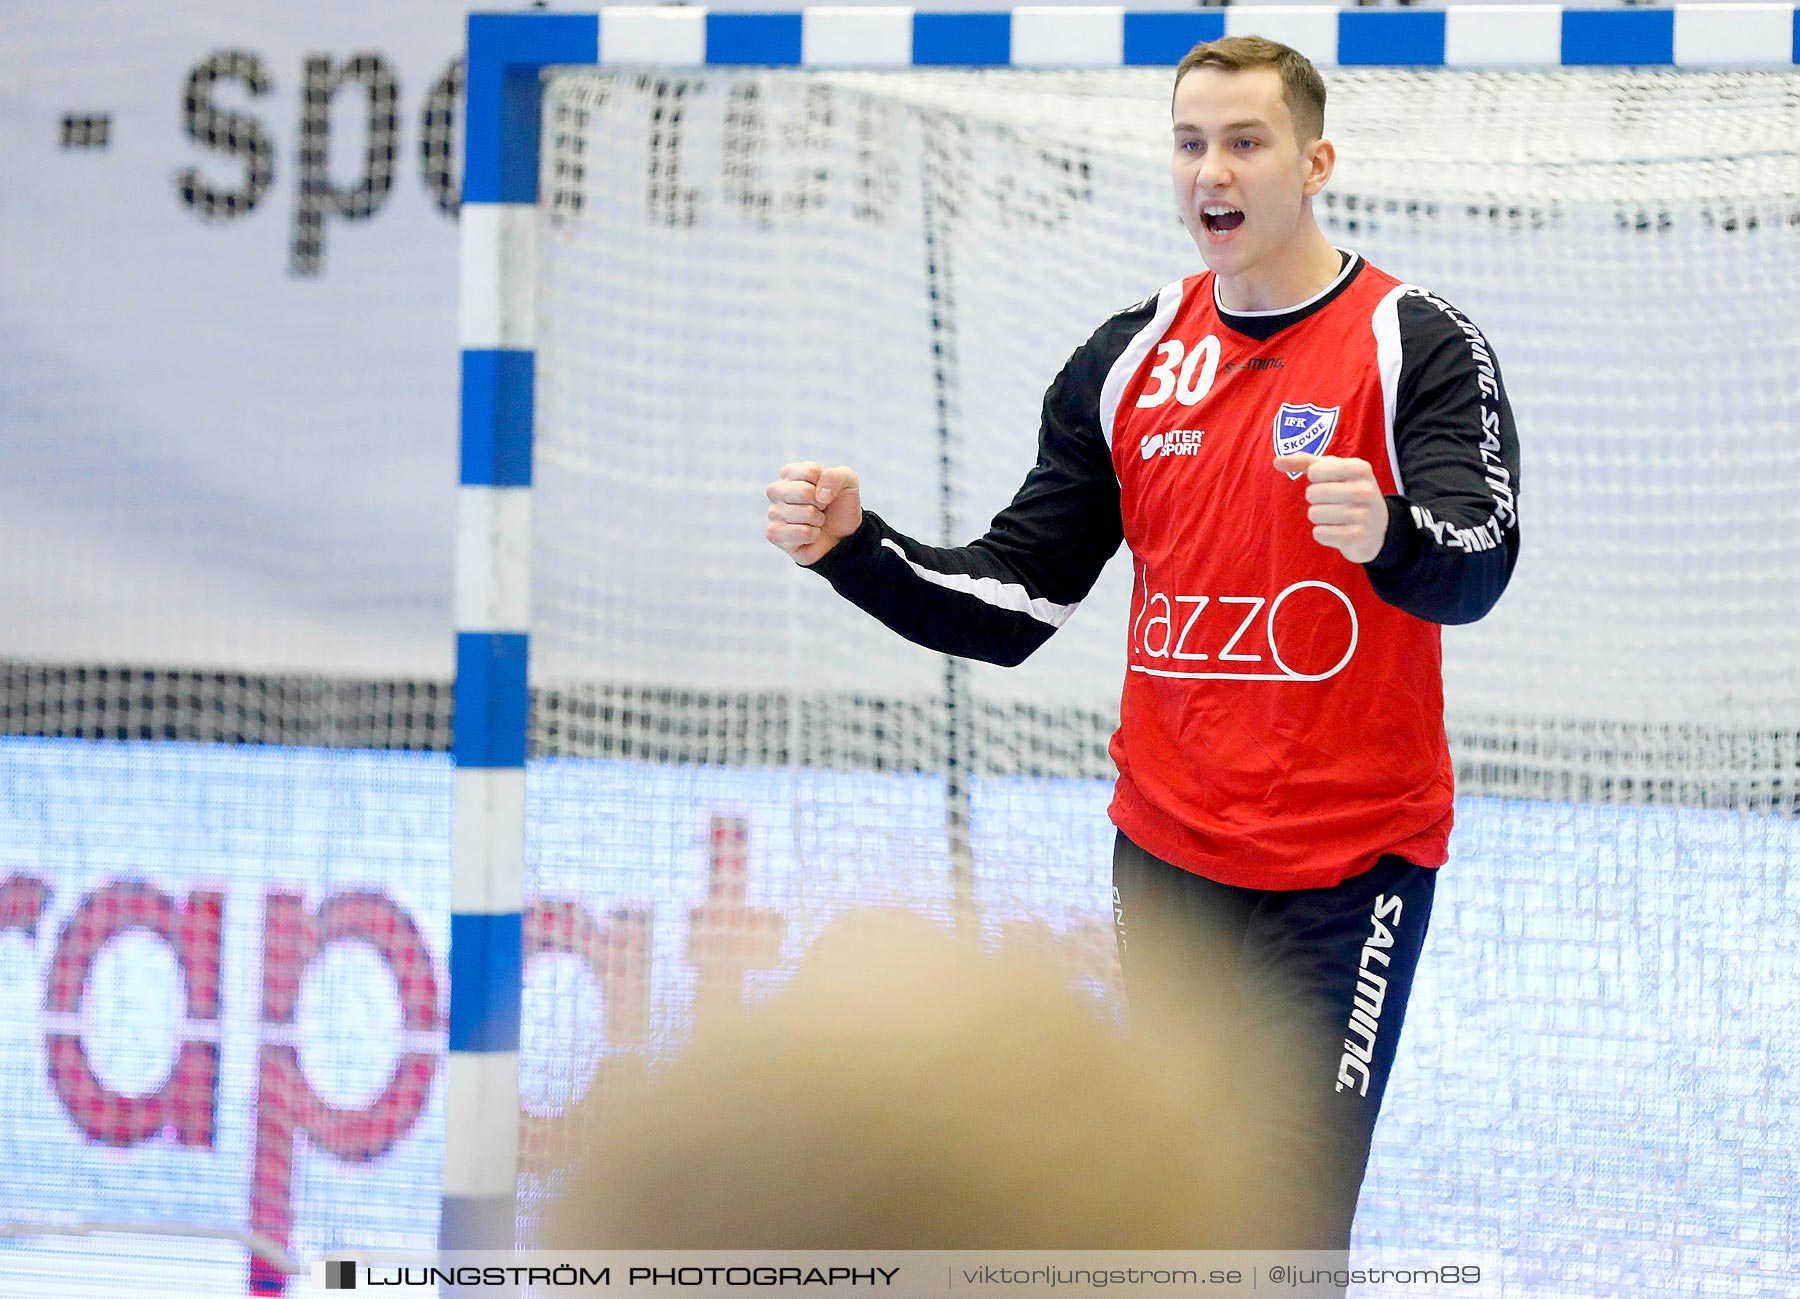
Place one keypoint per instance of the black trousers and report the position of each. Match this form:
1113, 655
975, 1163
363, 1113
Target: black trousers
1295, 994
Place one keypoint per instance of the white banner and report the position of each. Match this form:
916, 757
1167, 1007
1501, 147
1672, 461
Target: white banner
202, 946
228, 353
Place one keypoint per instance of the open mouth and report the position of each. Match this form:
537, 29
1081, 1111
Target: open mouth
1220, 219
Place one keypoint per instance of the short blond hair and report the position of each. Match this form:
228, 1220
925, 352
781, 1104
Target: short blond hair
907, 1091
1302, 88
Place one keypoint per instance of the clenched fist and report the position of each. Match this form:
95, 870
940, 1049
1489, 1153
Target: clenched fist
1344, 503
812, 509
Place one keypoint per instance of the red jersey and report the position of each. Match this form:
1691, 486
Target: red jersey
1281, 725
1282, 718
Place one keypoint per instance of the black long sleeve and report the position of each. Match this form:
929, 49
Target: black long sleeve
1453, 531
1001, 596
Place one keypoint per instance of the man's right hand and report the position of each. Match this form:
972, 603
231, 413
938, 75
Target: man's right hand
811, 509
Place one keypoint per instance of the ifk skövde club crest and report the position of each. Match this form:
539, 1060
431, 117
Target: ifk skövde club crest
1303, 427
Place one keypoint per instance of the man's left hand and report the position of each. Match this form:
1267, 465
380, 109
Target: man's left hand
1344, 502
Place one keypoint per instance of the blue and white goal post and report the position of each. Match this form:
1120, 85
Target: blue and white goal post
500, 224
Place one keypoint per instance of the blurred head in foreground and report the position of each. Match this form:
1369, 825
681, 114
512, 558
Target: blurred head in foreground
906, 1091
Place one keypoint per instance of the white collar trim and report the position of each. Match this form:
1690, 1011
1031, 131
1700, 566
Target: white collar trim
1342, 275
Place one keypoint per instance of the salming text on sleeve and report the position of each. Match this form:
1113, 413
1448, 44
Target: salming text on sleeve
1453, 528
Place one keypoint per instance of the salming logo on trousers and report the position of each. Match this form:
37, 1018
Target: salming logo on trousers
1371, 993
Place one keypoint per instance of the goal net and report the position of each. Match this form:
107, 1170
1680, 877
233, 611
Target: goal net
738, 269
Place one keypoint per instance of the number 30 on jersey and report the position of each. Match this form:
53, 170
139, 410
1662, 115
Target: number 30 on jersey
1188, 376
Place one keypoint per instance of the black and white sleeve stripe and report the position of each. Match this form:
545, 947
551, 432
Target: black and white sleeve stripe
1002, 595
1453, 531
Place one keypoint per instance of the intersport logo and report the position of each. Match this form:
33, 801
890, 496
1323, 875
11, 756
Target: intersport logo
1176, 442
